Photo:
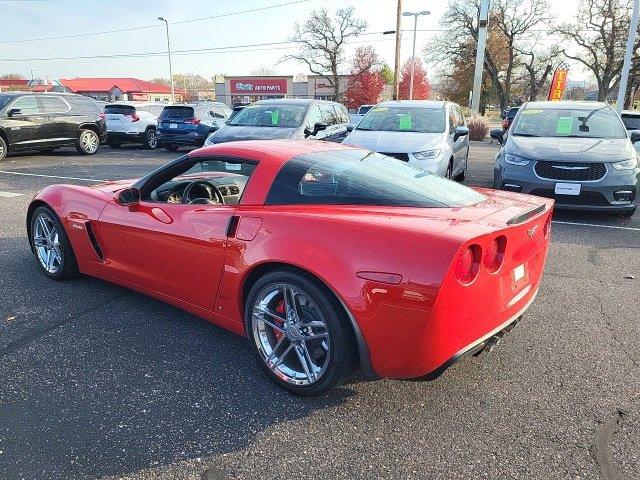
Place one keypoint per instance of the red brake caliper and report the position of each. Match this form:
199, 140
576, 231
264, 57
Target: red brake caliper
279, 309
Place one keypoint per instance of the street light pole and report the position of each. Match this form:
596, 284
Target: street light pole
626, 66
173, 92
483, 21
415, 16
396, 69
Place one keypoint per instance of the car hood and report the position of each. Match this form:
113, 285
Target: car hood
393, 142
570, 149
230, 133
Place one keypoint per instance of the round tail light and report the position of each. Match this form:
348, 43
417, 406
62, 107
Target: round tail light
468, 264
494, 255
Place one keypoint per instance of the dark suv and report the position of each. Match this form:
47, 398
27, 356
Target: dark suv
46, 121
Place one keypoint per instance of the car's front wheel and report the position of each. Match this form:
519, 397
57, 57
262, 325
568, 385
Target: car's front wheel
299, 333
88, 142
51, 245
4, 149
150, 139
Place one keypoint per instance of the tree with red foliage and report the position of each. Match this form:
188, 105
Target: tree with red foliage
365, 83
421, 85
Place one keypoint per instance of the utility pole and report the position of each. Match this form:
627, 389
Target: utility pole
631, 39
173, 91
415, 16
483, 21
396, 71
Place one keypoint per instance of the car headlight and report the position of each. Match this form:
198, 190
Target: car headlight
625, 164
513, 160
426, 154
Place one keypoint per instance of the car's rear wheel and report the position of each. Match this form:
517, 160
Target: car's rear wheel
150, 139
51, 245
172, 148
4, 149
88, 142
299, 333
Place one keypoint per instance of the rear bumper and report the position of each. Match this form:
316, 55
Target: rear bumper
124, 137
476, 347
190, 139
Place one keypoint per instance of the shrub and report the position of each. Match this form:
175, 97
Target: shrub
478, 128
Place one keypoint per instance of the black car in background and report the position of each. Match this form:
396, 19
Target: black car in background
190, 125
47, 121
631, 120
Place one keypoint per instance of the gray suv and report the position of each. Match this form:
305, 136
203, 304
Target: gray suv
578, 153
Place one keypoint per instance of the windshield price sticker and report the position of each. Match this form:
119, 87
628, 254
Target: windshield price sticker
233, 166
564, 126
275, 116
531, 112
380, 109
405, 122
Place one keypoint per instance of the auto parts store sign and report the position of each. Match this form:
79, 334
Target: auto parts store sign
259, 86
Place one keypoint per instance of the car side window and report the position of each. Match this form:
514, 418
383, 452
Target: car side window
52, 105
27, 105
328, 114
314, 116
342, 116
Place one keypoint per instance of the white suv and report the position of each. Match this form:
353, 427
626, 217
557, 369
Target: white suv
132, 123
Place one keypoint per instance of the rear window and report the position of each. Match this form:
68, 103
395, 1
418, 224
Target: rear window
270, 115
361, 177
177, 112
120, 109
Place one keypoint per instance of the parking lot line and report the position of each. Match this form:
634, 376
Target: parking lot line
53, 176
11, 194
635, 229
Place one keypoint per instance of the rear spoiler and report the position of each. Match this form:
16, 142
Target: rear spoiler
523, 217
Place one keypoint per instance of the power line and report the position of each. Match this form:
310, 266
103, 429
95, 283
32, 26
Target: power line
143, 27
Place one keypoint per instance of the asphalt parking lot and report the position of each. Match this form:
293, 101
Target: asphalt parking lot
98, 381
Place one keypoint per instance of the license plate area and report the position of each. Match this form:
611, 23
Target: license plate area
567, 189
519, 277
173, 125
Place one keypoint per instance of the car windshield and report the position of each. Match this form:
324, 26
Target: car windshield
404, 119
288, 116
597, 122
631, 122
361, 177
4, 99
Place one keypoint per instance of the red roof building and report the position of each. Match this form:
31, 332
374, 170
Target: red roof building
113, 89
13, 84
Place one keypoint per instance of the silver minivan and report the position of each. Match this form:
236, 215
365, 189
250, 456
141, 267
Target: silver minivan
431, 135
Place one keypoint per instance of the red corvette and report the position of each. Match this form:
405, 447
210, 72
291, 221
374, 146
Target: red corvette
328, 258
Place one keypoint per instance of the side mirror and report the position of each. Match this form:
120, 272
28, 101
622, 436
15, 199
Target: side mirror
13, 112
215, 114
460, 131
350, 128
635, 136
318, 127
127, 197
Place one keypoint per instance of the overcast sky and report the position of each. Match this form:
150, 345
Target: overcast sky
37, 19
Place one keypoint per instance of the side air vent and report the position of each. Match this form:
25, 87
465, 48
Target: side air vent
94, 241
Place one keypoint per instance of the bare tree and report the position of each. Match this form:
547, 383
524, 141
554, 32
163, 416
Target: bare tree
600, 32
12, 76
262, 71
322, 39
511, 24
537, 65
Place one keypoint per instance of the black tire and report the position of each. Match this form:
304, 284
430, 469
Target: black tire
67, 264
4, 148
172, 148
114, 144
88, 142
341, 352
150, 141
629, 213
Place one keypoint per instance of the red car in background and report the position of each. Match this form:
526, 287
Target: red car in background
328, 258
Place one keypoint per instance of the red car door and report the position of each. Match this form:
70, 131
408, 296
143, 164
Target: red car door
173, 249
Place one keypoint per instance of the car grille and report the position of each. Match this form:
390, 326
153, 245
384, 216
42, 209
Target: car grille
585, 198
400, 156
570, 170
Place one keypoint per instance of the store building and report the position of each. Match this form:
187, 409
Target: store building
122, 89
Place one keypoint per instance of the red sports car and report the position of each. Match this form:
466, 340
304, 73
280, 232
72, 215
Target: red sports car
328, 258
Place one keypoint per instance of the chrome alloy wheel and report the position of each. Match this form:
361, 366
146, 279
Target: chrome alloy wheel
47, 243
89, 141
291, 334
152, 139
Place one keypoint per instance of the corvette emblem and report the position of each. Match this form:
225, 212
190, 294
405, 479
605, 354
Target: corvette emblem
531, 232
